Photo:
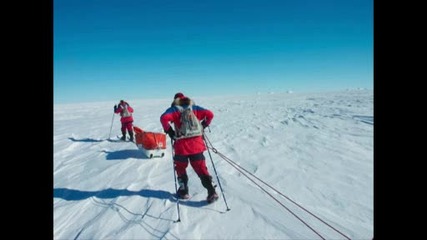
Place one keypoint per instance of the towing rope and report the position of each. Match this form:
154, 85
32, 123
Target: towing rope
242, 170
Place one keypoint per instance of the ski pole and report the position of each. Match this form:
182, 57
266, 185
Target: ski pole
217, 178
112, 120
176, 185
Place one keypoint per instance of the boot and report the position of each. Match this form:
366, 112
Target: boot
130, 136
124, 135
183, 187
207, 183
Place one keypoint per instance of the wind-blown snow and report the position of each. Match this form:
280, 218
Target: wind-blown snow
316, 148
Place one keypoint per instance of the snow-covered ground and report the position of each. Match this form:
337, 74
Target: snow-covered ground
315, 148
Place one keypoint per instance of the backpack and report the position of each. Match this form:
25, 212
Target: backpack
125, 111
190, 125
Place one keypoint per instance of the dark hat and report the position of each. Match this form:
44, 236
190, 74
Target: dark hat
184, 101
178, 95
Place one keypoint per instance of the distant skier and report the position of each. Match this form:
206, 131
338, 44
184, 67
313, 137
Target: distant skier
125, 111
188, 142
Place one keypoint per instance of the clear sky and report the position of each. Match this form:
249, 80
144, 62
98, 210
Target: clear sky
136, 49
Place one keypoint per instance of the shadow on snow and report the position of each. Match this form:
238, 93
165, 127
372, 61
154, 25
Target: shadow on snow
85, 140
192, 203
73, 194
123, 154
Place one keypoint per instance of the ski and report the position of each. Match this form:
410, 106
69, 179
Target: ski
119, 139
185, 198
127, 139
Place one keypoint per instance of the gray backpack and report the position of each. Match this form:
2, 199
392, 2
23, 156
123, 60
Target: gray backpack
190, 125
125, 112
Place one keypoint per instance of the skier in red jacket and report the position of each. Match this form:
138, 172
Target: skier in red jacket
125, 111
188, 148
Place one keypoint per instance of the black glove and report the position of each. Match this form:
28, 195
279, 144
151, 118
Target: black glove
115, 108
204, 124
171, 133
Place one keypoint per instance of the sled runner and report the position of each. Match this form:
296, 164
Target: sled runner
153, 144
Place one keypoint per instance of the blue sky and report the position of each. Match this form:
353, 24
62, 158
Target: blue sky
136, 49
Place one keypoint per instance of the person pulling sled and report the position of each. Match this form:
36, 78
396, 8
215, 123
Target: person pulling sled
188, 142
125, 111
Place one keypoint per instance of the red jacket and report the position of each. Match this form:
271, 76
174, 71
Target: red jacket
120, 109
186, 146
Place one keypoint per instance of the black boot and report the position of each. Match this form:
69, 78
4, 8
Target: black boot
207, 183
183, 186
124, 135
130, 136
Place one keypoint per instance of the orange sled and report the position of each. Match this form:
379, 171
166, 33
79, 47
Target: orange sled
151, 143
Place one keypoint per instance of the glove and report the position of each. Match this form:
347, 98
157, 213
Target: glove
204, 124
171, 133
115, 108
